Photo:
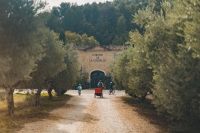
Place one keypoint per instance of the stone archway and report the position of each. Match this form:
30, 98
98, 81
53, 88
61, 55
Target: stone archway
95, 76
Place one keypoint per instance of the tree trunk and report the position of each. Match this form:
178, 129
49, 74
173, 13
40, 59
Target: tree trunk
49, 92
144, 96
37, 97
10, 101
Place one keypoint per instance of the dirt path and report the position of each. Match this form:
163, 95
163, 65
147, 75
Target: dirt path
86, 114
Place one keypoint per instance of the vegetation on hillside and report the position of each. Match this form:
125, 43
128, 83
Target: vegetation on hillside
109, 22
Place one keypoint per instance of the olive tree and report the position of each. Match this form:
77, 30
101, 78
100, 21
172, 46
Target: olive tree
173, 55
66, 79
140, 73
50, 65
177, 81
118, 72
20, 43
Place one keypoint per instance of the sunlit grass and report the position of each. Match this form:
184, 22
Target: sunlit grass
26, 112
3, 104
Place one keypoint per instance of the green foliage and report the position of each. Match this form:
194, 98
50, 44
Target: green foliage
172, 52
103, 21
20, 44
54, 22
174, 78
132, 69
66, 79
51, 64
140, 74
176, 89
80, 40
165, 59
119, 75
83, 80
191, 30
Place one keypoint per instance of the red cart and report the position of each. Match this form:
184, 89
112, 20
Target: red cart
98, 92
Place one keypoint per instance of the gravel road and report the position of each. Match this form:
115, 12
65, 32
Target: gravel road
86, 114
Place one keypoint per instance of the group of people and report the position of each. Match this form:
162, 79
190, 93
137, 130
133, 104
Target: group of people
100, 85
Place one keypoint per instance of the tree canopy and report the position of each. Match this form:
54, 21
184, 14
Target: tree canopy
165, 59
109, 22
29, 52
80, 40
21, 43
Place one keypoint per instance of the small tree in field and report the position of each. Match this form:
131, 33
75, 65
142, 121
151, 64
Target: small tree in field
50, 65
66, 79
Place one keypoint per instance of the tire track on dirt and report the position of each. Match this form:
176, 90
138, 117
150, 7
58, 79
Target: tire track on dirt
86, 114
132, 119
109, 120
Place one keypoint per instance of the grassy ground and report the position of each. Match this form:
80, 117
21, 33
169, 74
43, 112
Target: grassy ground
148, 111
25, 112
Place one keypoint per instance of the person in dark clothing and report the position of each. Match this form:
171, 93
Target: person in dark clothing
100, 84
111, 87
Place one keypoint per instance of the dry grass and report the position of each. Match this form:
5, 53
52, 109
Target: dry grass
25, 112
148, 111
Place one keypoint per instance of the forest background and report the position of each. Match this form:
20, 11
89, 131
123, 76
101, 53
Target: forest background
109, 23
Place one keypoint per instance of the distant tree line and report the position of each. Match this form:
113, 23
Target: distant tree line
109, 23
164, 60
